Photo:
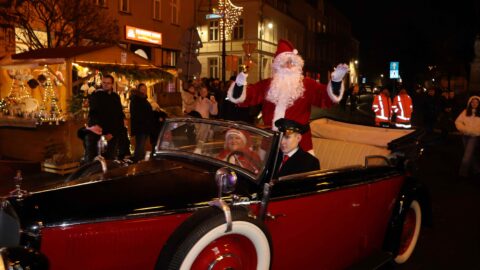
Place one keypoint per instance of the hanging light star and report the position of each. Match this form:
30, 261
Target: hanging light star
230, 13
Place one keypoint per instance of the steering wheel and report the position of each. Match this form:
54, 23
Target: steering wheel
247, 162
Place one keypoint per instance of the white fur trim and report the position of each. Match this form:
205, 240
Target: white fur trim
236, 133
242, 97
332, 96
295, 51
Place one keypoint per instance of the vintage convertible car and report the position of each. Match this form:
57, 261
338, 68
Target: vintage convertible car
186, 207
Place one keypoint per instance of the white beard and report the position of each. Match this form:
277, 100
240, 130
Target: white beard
286, 87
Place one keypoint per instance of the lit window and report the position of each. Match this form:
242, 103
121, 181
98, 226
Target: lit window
157, 9
125, 5
238, 30
213, 67
175, 5
213, 31
169, 58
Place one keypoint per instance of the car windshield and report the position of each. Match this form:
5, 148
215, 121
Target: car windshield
240, 145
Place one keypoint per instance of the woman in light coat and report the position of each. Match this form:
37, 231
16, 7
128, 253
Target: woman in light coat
206, 106
468, 123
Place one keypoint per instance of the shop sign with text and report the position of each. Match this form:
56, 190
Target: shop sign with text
142, 35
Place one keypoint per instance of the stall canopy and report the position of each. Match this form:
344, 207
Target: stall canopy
109, 58
37, 90
60, 71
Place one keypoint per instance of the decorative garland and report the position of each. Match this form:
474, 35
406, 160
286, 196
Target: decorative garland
132, 71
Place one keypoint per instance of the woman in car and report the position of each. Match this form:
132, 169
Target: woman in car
237, 151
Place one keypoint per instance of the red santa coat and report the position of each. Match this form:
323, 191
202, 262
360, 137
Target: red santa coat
315, 94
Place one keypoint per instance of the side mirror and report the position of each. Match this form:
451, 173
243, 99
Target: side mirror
21, 258
226, 181
102, 145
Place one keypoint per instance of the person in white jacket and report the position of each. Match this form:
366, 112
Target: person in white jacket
468, 123
205, 105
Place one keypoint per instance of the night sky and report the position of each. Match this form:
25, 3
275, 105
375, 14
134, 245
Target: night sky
415, 33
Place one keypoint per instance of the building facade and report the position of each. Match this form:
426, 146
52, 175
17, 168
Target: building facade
320, 33
152, 28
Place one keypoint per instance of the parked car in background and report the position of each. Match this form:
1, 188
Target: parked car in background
191, 207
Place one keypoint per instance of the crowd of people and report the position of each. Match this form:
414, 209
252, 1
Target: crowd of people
439, 111
107, 119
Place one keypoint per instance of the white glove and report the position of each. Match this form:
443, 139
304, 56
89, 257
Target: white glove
241, 79
339, 72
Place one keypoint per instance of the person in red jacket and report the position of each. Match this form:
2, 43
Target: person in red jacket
237, 150
288, 94
402, 107
382, 107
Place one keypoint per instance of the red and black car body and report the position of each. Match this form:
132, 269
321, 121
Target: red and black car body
184, 209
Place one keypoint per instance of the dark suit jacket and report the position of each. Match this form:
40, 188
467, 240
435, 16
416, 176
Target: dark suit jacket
300, 162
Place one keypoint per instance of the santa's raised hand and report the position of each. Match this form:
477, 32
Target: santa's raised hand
241, 79
335, 87
238, 91
339, 72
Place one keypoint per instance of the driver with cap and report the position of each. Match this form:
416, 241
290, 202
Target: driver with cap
292, 158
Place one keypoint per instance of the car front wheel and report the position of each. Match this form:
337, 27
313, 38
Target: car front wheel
208, 246
410, 232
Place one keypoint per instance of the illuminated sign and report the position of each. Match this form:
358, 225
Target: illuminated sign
213, 16
137, 34
394, 73
216, 14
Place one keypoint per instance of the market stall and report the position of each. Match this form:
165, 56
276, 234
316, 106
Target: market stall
43, 93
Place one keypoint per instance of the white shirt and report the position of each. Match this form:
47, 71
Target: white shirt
291, 153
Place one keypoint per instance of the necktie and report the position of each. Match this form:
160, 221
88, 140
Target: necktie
285, 158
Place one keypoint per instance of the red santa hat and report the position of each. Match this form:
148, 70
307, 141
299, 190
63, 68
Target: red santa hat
238, 133
285, 46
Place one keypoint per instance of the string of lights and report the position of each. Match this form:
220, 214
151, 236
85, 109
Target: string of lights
230, 15
54, 114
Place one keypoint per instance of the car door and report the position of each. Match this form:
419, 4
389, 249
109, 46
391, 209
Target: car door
315, 223
381, 198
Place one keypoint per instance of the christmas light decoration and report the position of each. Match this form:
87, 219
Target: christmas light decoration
49, 111
230, 14
18, 91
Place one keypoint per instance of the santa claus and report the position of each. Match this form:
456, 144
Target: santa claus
288, 94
